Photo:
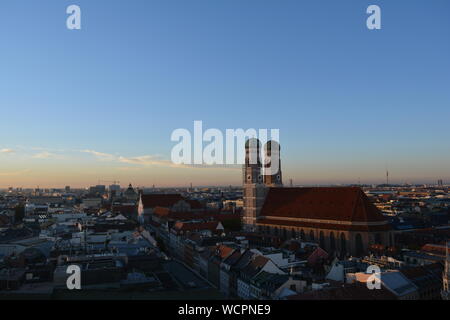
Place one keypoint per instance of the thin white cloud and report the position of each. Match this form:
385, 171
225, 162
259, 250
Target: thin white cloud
151, 161
156, 161
147, 160
47, 155
14, 173
6, 150
100, 155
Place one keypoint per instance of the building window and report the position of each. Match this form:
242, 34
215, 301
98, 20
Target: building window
359, 245
332, 242
343, 244
322, 240
302, 235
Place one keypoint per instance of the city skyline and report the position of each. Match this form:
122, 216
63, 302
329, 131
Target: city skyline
224, 158
100, 103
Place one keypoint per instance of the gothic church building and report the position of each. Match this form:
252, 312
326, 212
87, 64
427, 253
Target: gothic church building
341, 219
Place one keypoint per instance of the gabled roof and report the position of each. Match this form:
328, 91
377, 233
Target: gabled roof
397, 283
333, 203
255, 266
160, 200
197, 226
318, 255
245, 259
223, 251
233, 258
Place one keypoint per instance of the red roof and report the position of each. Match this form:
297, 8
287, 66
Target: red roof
195, 204
161, 211
196, 226
318, 255
124, 208
435, 249
223, 251
336, 203
160, 200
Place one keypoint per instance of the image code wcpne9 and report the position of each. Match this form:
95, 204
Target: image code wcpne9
225, 157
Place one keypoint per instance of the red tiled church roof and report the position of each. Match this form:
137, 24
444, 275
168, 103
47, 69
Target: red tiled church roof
337, 203
325, 205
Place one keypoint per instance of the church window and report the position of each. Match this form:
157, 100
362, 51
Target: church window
359, 245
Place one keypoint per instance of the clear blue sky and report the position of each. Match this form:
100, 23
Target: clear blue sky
348, 101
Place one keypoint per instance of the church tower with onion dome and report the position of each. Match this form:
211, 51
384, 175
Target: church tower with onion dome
258, 176
272, 165
254, 192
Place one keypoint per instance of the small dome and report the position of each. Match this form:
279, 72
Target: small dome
130, 190
272, 145
252, 143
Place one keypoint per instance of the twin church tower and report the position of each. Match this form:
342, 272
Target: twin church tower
258, 176
342, 220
